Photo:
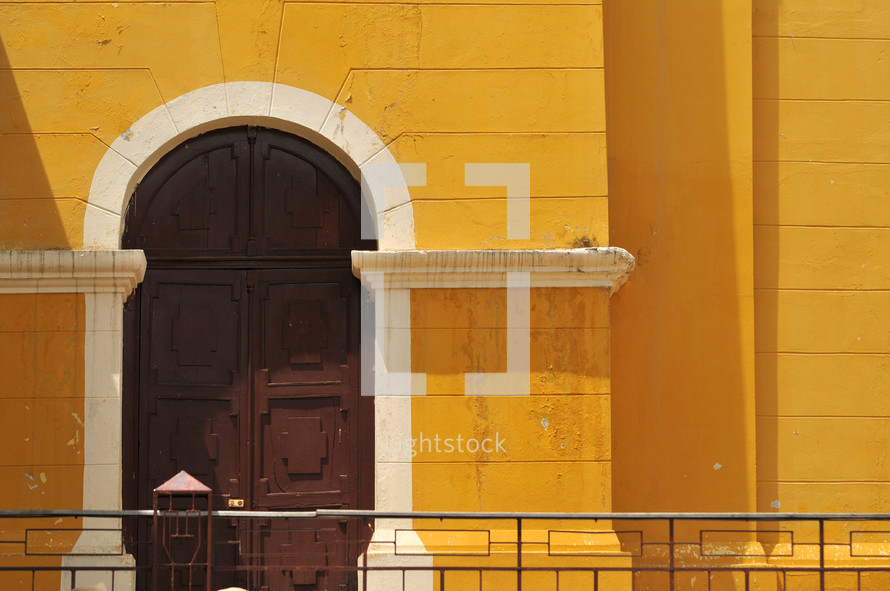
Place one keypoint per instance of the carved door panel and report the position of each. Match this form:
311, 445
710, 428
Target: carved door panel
305, 406
194, 387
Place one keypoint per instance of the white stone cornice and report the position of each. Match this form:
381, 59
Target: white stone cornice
607, 267
68, 271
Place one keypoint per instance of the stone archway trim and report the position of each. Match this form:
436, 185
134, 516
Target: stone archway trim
299, 111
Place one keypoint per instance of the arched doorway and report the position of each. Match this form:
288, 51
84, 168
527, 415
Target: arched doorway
241, 348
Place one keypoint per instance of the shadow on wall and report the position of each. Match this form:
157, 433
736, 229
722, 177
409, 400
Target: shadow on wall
682, 351
766, 172
30, 216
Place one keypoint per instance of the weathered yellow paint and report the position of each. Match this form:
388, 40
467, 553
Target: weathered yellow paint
249, 37
342, 37
117, 36
550, 307
102, 102
393, 102
560, 164
482, 223
66, 177
556, 486
530, 428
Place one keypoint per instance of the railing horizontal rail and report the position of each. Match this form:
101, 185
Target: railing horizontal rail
354, 513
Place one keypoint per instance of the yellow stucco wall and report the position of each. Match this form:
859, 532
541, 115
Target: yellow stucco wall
443, 84
821, 261
800, 376
41, 422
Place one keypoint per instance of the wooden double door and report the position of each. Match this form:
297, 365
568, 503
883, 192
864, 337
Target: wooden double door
242, 345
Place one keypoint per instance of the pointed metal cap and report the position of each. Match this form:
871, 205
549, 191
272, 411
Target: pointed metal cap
183, 483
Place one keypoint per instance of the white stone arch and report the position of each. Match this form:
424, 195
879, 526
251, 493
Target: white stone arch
313, 117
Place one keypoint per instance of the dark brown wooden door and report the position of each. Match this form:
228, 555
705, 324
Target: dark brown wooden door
247, 370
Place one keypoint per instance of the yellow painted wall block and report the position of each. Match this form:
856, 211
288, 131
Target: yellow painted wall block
29, 224
821, 194
59, 312
822, 18
17, 425
43, 431
482, 223
321, 43
42, 165
826, 131
518, 486
563, 361
104, 102
820, 69
570, 361
511, 36
458, 350
529, 100
60, 374
550, 307
512, 428
822, 258
834, 497
568, 307
18, 312
118, 35
41, 487
16, 376
823, 385
248, 38
823, 321
560, 164
459, 308
824, 449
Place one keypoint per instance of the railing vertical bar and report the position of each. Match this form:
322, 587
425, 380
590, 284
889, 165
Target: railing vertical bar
441, 579
821, 555
365, 573
519, 554
671, 553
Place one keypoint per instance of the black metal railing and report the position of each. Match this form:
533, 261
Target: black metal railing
449, 551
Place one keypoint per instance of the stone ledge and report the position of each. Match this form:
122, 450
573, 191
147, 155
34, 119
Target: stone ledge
607, 267
71, 271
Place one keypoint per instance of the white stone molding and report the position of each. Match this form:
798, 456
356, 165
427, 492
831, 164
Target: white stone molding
71, 271
607, 267
311, 116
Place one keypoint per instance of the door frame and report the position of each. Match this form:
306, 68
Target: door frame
320, 260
